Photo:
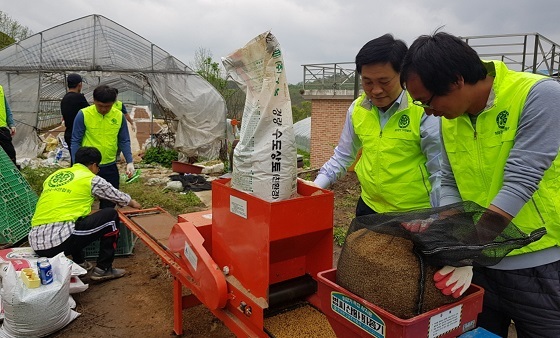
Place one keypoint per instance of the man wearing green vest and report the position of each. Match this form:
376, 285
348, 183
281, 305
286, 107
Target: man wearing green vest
63, 221
7, 128
120, 106
104, 127
501, 140
399, 167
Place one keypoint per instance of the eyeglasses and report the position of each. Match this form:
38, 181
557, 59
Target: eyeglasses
424, 105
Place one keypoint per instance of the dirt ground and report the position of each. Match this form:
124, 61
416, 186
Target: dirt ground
140, 303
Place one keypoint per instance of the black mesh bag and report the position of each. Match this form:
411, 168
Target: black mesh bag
390, 259
457, 235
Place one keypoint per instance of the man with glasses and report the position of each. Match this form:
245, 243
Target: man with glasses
501, 142
399, 166
63, 221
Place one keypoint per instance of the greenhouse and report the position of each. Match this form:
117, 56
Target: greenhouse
33, 74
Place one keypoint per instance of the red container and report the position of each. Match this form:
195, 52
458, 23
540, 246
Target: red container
185, 168
352, 316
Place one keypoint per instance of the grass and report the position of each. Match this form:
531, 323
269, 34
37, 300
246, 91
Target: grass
36, 177
172, 202
347, 201
339, 234
306, 162
147, 196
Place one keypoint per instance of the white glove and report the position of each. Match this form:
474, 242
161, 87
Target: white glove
418, 225
129, 169
133, 126
453, 281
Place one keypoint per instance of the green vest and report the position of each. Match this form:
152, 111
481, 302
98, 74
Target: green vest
392, 168
66, 196
479, 159
118, 105
102, 132
3, 111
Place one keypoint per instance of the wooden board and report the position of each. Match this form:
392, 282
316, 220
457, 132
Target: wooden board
158, 226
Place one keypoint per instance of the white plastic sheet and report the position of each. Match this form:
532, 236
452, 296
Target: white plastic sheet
33, 73
302, 130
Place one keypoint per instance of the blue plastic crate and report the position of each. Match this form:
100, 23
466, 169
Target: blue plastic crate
17, 203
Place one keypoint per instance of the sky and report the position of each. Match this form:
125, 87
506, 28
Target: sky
309, 31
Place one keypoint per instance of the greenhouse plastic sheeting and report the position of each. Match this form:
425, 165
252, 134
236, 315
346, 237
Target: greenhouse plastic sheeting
302, 130
33, 73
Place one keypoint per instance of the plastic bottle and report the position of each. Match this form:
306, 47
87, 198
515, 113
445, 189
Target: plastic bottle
58, 156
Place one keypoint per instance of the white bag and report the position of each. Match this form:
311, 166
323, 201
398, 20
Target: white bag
40, 311
265, 159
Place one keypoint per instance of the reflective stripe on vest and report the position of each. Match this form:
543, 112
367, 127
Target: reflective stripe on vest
66, 196
102, 132
479, 159
3, 111
392, 168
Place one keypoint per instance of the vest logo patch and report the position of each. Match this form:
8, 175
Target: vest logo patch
404, 121
61, 178
501, 119
113, 121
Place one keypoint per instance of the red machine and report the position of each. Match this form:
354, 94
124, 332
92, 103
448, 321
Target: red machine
249, 256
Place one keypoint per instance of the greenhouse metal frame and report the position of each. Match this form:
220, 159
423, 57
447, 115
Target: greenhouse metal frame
33, 74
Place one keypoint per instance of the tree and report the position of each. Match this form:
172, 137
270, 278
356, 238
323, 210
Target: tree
205, 66
11, 31
213, 72
301, 108
301, 111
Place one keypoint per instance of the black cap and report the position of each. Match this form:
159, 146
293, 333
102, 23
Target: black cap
74, 79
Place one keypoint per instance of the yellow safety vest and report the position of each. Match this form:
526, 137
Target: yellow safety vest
102, 132
478, 157
392, 168
118, 104
3, 111
66, 196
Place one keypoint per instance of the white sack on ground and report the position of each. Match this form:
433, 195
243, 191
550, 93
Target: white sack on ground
41, 311
265, 159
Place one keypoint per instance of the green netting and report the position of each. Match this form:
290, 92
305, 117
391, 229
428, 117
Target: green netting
125, 245
17, 203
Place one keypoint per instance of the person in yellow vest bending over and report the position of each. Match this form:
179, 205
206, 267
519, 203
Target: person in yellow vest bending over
399, 168
501, 138
7, 128
104, 127
63, 221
